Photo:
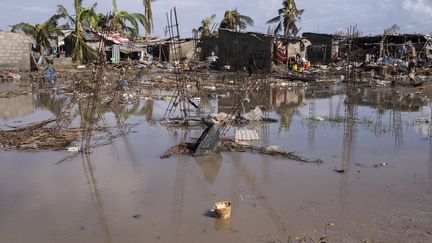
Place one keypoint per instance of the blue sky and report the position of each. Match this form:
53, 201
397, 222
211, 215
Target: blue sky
324, 16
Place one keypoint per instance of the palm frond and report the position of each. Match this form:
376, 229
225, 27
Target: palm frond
62, 11
77, 5
278, 28
143, 21
26, 28
274, 20
246, 19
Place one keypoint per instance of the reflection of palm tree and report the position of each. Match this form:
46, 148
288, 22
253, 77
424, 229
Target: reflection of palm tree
90, 116
137, 109
251, 182
52, 102
95, 193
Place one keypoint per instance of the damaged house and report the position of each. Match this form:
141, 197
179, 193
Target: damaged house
323, 47
235, 49
117, 47
390, 49
163, 49
286, 49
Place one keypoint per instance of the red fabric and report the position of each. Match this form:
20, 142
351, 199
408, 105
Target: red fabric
280, 54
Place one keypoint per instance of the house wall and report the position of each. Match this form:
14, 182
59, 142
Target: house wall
295, 48
187, 51
322, 49
235, 48
15, 51
208, 45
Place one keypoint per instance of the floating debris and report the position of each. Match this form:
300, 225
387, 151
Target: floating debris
222, 209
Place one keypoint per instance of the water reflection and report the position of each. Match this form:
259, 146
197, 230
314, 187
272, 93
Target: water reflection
96, 196
210, 166
50, 101
430, 146
15, 107
177, 204
349, 140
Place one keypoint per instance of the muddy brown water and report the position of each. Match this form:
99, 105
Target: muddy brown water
124, 192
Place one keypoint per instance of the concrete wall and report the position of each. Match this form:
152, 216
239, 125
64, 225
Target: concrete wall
235, 48
165, 51
297, 47
187, 51
322, 48
15, 52
208, 45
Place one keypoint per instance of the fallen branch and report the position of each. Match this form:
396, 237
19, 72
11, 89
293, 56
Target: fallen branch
228, 145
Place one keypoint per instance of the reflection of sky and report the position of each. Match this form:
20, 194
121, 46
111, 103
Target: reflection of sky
171, 196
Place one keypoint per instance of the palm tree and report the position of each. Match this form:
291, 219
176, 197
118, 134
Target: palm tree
81, 20
149, 14
120, 20
204, 30
235, 21
288, 15
41, 33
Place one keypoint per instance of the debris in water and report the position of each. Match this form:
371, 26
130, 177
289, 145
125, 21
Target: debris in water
28, 146
339, 171
383, 164
246, 135
318, 118
229, 145
273, 148
73, 149
222, 209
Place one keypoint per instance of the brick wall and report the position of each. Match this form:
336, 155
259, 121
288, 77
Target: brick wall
15, 52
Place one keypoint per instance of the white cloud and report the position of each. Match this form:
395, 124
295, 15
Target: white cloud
325, 16
421, 7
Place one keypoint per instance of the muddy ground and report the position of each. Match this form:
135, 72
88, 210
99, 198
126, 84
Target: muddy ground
374, 185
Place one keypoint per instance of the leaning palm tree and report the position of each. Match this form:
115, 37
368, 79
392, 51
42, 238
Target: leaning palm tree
288, 15
121, 19
81, 20
235, 21
41, 33
149, 14
204, 30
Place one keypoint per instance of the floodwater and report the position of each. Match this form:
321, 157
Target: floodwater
123, 192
